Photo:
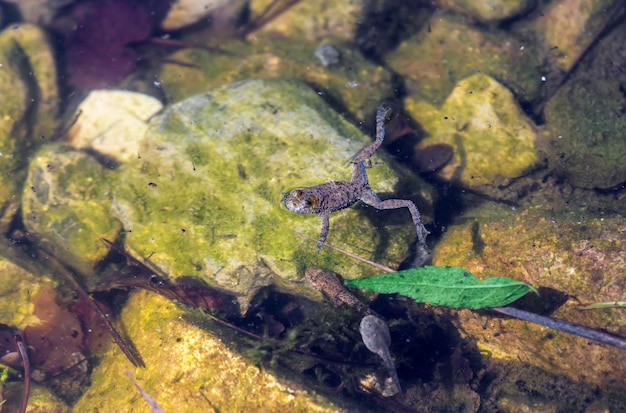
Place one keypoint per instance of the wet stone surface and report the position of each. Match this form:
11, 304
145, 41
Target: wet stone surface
203, 197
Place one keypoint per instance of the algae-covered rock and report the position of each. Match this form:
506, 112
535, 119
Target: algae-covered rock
40, 399
586, 138
568, 27
187, 369
358, 85
204, 197
66, 205
491, 137
562, 253
311, 20
29, 107
17, 286
445, 51
488, 11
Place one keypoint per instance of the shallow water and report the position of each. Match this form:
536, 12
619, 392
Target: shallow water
506, 133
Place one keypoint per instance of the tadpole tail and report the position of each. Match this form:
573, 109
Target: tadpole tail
388, 363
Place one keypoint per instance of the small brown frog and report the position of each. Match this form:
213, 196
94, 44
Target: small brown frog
329, 283
333, 196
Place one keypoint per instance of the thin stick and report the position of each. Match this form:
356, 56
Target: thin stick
611, 304
26, 389
133, 356
155, 406
349, 254
564, 326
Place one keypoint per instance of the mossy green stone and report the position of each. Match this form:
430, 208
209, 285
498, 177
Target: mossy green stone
488, 11
354, 82
66, 205
585, 138
492, 138
17, 287
29, 107
448, 50
203, 197
189, 369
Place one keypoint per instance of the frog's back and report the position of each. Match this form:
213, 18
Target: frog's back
338, 195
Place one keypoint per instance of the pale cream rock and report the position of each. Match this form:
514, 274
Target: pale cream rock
187, 12
113, 122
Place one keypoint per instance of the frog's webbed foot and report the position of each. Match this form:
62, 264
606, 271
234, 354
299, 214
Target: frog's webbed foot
324, 218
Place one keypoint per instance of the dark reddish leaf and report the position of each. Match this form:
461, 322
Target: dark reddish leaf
100, 50
58, 338
190, 291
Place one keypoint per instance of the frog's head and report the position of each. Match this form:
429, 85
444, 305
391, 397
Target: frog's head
302, 201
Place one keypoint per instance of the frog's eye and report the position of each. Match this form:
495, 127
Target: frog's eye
297, 192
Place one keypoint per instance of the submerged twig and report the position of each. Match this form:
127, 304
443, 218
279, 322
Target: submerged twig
349, 254
21, 348
187, 290
610, 304
155, 406
556, 324
564, 326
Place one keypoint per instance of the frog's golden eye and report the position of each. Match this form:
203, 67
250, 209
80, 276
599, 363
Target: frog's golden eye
297, 192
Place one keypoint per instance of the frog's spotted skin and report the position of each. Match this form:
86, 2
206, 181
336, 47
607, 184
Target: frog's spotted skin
330, 284
333, 196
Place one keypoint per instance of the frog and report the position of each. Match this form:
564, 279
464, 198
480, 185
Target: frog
375, 334
330, 284
333, 196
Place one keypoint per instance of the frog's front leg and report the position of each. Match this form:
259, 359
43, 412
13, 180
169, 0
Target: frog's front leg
370, 198
324, 218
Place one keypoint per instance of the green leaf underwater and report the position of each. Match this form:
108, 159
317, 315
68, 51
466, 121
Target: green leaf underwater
448, 286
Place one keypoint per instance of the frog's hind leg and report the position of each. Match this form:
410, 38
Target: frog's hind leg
367, 152
370, 198
324, 218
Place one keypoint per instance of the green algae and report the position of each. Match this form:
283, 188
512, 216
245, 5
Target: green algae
187, 369
29, 107
492, 137
489, 12
66, 205
354, 82
448, 50
311, 21
40, 399
17, 288
585, 135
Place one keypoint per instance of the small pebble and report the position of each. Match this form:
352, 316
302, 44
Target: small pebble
327, 54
